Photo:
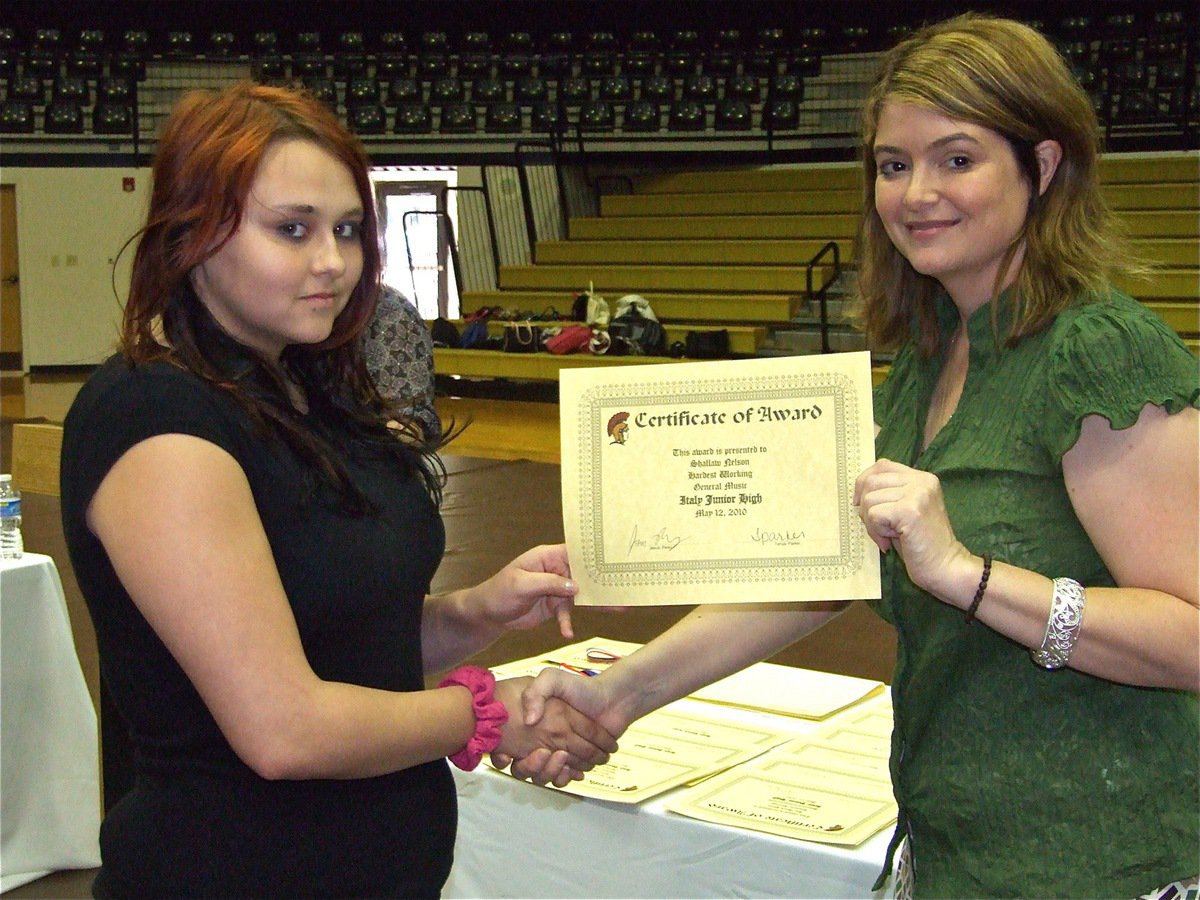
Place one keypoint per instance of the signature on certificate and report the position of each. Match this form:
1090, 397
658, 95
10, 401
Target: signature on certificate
777, 538
659, 540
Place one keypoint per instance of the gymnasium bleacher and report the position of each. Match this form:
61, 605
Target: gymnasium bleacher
727, 196
647, 85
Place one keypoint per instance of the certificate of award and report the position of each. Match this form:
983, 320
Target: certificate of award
718, 482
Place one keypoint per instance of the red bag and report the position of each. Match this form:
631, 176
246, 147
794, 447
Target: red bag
570, 339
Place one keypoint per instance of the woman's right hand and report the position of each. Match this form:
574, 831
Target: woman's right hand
561, 742
593, 697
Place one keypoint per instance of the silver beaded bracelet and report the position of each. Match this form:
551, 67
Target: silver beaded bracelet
1062, 628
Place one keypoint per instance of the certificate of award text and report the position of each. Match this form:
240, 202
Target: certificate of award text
718, 482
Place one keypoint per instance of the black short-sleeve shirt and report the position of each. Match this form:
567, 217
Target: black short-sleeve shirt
199, 821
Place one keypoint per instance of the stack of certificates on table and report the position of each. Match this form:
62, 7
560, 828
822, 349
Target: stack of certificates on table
830, 786
789, 751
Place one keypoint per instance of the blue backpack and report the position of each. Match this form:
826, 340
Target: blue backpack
475, 334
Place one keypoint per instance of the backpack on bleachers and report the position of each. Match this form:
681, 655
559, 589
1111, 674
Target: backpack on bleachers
475, 331
636, 324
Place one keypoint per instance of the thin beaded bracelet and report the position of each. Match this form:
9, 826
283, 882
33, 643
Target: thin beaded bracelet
981, 590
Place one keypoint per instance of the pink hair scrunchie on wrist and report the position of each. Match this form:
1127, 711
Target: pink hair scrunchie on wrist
490, 714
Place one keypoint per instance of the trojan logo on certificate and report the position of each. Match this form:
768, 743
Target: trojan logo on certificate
718, 482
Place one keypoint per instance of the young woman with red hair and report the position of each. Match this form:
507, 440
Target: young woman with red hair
256, 543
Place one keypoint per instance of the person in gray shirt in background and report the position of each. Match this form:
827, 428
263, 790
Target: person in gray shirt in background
399, 353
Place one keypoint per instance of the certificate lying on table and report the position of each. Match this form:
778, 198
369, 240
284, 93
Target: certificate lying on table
789, 691
718, 482
832, 786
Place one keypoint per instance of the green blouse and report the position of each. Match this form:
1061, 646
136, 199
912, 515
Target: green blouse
1012, 780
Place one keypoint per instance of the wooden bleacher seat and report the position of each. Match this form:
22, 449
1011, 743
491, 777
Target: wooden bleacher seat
1182, 316
699, 251
35, 457
744, 340
827, 226
527, 366
741, 203
687, 306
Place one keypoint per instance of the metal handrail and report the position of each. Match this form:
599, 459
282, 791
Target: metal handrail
526, 198
592, 183
822, 294
767, 126
491, 223
443, 216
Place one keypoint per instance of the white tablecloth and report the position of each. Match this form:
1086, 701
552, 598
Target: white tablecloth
49, 760
519, 840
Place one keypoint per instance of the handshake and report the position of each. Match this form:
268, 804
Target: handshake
560, 725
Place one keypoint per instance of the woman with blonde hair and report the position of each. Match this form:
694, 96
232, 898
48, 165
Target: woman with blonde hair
256, 540
1035, 498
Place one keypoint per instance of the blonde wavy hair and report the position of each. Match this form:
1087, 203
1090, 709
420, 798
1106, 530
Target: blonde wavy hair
1006, 77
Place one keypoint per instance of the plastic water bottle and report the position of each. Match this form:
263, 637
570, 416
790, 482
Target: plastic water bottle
11, 545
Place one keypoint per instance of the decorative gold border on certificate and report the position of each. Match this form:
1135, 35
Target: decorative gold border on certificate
597, 404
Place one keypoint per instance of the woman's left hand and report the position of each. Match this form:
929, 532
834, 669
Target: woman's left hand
903, 508
529, 590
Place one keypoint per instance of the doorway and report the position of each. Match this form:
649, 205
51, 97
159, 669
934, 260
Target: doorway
415, 225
